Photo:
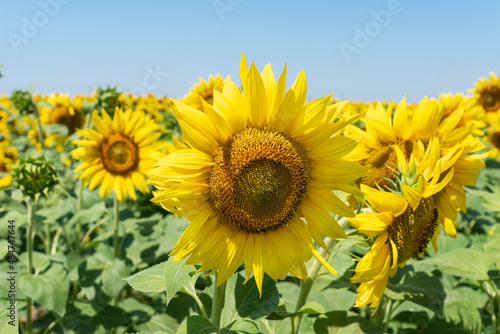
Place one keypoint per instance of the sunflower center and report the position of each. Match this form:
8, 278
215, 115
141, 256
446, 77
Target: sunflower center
381, 164
413, 229
119, 154
491, 99
258, 180
495, 139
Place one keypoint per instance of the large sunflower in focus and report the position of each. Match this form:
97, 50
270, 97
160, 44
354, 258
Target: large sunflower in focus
384, 131
119, 154
404, 220
203, 91
256, 181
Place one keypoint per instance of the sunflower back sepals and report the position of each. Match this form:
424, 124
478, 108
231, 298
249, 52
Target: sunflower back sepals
35, 177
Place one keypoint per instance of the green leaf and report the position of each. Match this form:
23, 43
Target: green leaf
177, 274
419, 288
312, 308
49, 288
490, 200
87, 107
159, 322
460, 317
88, 216
492, 249
149, 280
343, 322
248, 301
44, 104
5, 313
61, 130
199, 325
464, 263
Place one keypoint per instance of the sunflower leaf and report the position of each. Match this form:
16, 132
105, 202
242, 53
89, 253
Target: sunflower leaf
419, 288
459, 317
248, 302
465, 263
197, 324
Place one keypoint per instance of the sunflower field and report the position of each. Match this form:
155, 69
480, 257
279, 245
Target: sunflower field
247, 207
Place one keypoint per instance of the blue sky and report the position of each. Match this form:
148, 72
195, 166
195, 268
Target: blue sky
415, 47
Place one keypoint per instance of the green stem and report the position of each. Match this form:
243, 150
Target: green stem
79, 202
305, 286
388, 312
38, 124
47, 240
198, 301
218, 302
116, 220
29, 248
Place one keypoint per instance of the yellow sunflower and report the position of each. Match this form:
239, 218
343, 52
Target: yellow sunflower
256, 181
119, 154
493, 139
404, 221
64, 112
473, 114
487, 95
203, 91
8, 157
384, 131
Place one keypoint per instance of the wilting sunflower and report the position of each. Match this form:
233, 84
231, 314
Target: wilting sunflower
487, 94
258, 162
64, 112
404, 221
119, 154
457, 147
203, 91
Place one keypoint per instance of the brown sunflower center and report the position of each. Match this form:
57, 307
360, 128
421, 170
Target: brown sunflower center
381, 164
119, 154
61, 115
258, 180
413, 229
490, 99
495, 139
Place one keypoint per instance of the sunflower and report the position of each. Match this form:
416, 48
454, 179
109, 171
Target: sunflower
385, 131
487, 95
404, 221
493, 139
65, 112
473, 114
203, 91
256, 181
8, 157
119, 154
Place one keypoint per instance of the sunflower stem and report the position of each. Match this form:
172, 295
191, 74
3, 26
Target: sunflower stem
218, 301
38, 124
30, 204
305, 286
388, 311
79, 199
116, 220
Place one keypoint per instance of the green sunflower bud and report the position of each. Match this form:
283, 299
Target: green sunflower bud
108, 99
22, 101
35, 176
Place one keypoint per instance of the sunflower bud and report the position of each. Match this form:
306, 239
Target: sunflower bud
35, 176
22, 101
108, 99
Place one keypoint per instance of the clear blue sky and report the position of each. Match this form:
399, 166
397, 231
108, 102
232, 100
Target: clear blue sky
424, 48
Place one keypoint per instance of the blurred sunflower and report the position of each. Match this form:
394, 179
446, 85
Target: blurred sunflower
64, 112
258, 162
119, 154
203, 91
8, 157
493, 139
404, 220
473, 114
457, 147
487, 95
